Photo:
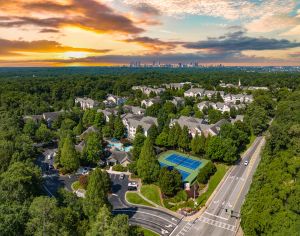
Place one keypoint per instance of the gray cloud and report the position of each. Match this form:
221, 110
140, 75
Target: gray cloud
146, 9
237, 41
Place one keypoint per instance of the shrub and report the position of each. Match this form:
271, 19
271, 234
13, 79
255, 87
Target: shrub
83, 180
119, 167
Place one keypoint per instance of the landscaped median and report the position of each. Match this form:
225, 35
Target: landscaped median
135, 198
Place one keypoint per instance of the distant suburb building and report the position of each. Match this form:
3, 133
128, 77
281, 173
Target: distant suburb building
238, 98
147, 90
176, 85
149, 102
86, 103
113, 100
194, 92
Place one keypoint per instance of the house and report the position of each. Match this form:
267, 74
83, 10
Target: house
223, 107
215, 129
194, 92
132, 122
248, 99
49, 117
79, 147
86, 103
206, 105
178, 101
195, 125
119, 157
209, 93
113, 100
35, 118
238, 98
237, 118
134, 110
91, 129
107, 112
149, 102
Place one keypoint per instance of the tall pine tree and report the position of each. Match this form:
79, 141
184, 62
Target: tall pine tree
69, 158
147, 164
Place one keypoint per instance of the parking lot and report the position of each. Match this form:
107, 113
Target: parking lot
119, 188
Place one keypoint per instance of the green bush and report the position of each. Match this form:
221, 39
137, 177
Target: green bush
181, 196
119, 167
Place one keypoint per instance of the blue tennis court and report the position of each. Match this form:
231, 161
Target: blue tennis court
183, 161
184, 174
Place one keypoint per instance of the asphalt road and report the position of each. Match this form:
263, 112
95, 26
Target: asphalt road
154, 219
221, 218
52, 181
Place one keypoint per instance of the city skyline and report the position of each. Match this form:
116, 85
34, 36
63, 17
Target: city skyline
115, 32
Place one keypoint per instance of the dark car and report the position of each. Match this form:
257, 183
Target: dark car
51, 167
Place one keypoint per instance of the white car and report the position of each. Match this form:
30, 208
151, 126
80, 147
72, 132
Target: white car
246, 162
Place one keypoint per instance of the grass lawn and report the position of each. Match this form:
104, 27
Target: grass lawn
148, 232
134, 198
152, 193
76, 185
213, 183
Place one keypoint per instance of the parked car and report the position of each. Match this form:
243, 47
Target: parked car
86, 171
132, 186
122, 176
51, 167
49, 156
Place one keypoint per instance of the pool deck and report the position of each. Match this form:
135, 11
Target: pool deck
193, 173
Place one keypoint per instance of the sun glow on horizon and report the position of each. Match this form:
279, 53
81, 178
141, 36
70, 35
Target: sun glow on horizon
72, 54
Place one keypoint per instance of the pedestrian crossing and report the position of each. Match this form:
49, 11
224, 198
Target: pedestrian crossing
185, 229
216, 223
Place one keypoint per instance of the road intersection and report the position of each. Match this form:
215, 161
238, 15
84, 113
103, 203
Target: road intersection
221, 217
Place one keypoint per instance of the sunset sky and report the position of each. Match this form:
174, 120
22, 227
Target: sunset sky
116, 32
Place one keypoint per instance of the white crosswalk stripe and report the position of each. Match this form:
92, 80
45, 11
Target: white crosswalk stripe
217, 223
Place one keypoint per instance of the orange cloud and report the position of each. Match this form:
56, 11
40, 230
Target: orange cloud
17, 47
86, 14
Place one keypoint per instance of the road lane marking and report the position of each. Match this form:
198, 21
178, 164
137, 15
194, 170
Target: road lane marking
217, 224
215, 215
128, 210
